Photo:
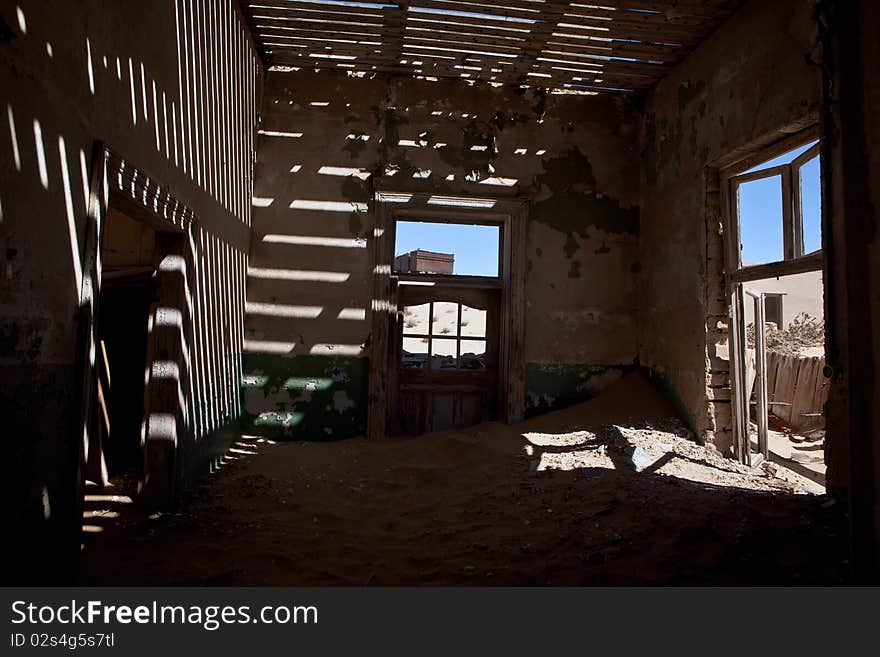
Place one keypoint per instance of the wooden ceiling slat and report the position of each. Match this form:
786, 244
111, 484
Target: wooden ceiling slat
438, 39
609, 44
641, 52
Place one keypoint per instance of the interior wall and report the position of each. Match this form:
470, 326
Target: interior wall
753, 81
310, 279
170, 88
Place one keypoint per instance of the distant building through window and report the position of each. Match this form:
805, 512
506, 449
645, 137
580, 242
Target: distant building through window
447, 248
424, 262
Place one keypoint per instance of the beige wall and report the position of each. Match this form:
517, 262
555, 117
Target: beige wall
802, 293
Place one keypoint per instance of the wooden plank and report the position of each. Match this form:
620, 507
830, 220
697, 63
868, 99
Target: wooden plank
439, 40
812, 262
738, 390
641, 31
761, 375
619, 48
805, 392
772, 365
785, 385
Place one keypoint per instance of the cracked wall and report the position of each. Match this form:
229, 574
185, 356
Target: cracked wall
329, 142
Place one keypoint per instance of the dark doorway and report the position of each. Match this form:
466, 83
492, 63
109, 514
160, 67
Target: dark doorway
129, 257
122, 339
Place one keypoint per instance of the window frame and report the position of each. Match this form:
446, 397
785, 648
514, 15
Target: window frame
430, 217
457, 336
794, 261
737, 276
511, 213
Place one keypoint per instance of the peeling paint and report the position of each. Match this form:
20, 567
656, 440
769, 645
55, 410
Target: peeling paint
569, 201
301, 397
551, 386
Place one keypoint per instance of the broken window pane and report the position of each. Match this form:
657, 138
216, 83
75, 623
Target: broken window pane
415, 353
760, 217
473, 355
443, 354
415, 319
473, 322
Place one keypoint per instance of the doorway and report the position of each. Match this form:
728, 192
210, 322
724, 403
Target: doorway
427, 375
446, 358
776, 291
128, 258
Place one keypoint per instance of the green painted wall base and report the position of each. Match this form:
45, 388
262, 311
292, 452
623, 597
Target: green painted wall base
551, 386
304, 397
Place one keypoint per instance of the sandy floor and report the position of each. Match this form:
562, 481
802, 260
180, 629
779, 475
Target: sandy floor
608, 492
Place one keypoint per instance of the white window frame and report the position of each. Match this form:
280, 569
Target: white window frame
795, 261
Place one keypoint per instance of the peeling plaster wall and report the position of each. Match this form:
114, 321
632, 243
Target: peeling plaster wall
309, 283
153, 84
749, 83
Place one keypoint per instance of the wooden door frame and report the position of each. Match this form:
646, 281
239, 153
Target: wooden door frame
511, 215
116, 182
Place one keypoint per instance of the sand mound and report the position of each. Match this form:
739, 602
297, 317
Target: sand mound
633, 397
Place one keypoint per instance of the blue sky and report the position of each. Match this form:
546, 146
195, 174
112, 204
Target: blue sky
761, 211
475, 247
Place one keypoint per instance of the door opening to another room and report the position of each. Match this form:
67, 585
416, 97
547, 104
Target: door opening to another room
777, 330
447, 368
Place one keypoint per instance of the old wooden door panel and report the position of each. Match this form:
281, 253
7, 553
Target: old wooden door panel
447, 358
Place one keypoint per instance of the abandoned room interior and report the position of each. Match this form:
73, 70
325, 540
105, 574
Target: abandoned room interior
478, 292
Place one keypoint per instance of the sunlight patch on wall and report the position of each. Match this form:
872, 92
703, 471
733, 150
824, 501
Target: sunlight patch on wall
269, 347
280, 133
14, 137
71, 219
363, 174
328, 206
358, 314
299, 275
325, 349
455, 201
41, 154
283, 310
314, 240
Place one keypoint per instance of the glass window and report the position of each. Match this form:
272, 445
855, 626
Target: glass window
473, 322
809, 179
760, 221
423, 247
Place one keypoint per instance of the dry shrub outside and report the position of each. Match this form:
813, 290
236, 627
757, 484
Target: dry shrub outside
803, 332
